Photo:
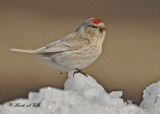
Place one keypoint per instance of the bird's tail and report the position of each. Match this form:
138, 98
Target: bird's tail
24, 50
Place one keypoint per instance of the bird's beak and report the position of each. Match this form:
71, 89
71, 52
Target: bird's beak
103, 29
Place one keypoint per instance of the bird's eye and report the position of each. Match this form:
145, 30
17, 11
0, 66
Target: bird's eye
95, 27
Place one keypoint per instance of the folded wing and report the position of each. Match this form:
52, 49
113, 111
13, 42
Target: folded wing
71, 42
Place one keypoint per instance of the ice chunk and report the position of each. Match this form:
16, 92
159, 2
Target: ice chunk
81, 95
151, 98
89, 87
55, 101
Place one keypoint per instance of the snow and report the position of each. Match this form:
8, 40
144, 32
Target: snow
92, 90
151, 98
82, 94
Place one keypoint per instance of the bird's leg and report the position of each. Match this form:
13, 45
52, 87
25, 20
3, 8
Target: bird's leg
79, 71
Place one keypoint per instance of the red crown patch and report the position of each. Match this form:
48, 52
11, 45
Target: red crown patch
96, 21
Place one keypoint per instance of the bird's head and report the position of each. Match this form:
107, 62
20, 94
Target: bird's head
92, 28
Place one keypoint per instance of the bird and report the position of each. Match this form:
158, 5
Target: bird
75, 51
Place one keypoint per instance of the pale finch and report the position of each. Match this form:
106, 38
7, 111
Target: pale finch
75, 51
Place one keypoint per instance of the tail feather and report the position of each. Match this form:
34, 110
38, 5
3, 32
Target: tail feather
23, 50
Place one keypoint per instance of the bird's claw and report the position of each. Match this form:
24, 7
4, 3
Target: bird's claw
79, 71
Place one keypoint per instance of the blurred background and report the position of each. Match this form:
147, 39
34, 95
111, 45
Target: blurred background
131, 52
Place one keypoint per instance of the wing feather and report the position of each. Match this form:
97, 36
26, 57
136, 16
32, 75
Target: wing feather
71, 42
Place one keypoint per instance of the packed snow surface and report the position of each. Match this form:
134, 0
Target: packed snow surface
82, 94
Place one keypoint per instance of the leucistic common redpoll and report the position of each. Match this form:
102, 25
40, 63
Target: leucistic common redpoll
75, 51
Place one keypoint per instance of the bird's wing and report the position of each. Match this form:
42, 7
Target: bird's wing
69, 43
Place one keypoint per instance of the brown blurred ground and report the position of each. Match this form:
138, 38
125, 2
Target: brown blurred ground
131, 53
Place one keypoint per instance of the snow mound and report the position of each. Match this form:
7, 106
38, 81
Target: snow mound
92, 90
151, 98
80, 95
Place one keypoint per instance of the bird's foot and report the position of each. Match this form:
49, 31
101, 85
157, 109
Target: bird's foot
79, 71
